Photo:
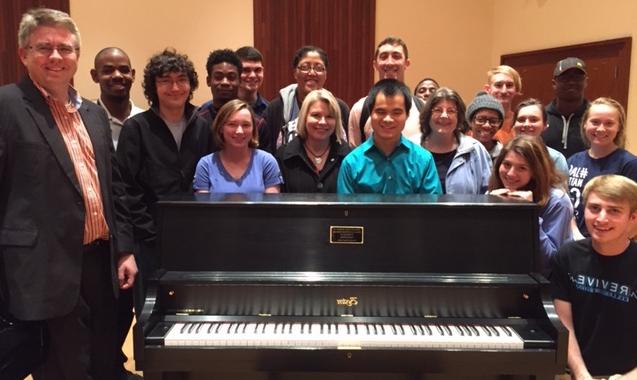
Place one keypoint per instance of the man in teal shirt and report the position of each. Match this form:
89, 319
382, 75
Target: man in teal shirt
388, 163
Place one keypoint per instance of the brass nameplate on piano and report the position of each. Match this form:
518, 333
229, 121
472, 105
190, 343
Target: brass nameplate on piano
347, 234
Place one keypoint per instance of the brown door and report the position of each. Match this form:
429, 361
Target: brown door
607, 62
343, 28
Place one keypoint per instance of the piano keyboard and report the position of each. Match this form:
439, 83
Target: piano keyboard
343, 335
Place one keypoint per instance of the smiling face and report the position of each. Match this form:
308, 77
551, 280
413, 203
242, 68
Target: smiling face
310, 74
224, 82
609, 222
173, 90
50, 57
320, 122
114, 74
502, 87
602, 126
251, 76
444, 118
237, 130
391, 62
425, 89
514, 171
529, 121
388, 118
570, 85
484, 125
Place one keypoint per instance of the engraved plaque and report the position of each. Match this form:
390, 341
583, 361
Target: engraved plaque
347, 234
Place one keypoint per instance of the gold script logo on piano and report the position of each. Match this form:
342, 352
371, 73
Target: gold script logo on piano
349, 302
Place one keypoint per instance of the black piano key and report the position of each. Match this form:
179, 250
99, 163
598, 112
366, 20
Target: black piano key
459, 328
413, 329
348, 328
289, 328
230, 325
400, 329
237, 327
427, 329
198, 327
256, 327
474, 330
488, 332
210, 327
217, 328
245, 326
393, 329
495, 331
192, 326
419, 330
466, 330
184, 327
440, 330
447, 329
382, 329
368, 329
356, 328
507, 331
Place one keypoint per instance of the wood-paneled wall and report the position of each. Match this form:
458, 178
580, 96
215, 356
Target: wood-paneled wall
343, 28
11, 68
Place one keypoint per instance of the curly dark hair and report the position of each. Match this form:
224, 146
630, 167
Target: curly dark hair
223, 55
168, 61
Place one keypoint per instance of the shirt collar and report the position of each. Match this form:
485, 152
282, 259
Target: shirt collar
75, 99
369, 144
110, 117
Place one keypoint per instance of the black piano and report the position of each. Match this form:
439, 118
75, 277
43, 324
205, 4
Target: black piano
359, 286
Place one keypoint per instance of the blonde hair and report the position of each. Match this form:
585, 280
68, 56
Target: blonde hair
226, 111
613, 187
507, 70
37, 17
620, 139
314, 96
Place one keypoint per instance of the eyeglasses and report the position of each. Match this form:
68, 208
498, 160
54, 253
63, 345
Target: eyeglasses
449, 111
306, 68
47, 50
493, 121
169, 82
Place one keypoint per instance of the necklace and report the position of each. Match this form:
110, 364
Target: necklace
317, 158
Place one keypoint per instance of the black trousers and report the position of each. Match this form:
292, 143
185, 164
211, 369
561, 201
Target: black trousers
83, 344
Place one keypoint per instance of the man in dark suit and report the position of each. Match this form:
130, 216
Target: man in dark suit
62, 258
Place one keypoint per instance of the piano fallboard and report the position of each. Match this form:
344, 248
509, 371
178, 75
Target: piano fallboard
317, 294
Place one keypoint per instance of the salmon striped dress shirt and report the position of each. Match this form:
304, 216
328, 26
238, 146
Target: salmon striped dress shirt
80, 148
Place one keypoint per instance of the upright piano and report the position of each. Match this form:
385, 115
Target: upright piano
333, 286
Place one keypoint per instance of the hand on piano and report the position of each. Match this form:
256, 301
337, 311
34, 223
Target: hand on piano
521, 194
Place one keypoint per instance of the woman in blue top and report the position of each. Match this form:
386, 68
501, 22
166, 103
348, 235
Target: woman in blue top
604, 131
463, 163
238, 167
524, 170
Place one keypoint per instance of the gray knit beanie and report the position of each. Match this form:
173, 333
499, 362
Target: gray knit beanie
484, 101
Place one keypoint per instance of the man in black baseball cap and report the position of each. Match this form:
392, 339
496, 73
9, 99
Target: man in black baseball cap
566, 110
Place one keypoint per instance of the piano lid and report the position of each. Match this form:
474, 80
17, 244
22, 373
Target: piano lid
348, 233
